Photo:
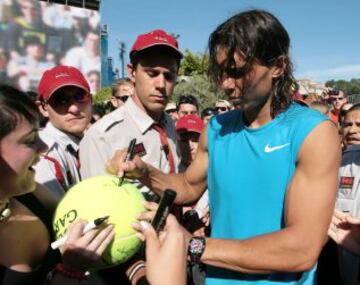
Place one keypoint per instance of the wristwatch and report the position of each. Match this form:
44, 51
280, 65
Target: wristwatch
196, 248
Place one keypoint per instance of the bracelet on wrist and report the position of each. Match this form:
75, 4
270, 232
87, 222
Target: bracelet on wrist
72, 274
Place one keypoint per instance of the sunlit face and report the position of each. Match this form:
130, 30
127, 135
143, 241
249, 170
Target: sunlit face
247, 89
29, 10
92, 43
188, 143
187, 109
94, 82
124, 91
154, 79
338, 100
35, 51
19, 151
351, 128
69, 110
173, 114
221, 108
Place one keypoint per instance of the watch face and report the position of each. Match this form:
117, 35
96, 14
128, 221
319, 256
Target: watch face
197, 246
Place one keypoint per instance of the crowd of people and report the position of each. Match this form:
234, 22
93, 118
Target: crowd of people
266, 179
36, 35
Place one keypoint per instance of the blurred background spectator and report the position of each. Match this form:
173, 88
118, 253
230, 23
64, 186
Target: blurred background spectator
32, 64
223, 106
170, 109
122, 89
36, 35
187, 105
207, 113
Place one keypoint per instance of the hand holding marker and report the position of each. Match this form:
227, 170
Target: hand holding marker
163, 210
88, 227
130, 156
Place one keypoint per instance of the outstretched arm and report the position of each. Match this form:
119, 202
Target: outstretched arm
189, 186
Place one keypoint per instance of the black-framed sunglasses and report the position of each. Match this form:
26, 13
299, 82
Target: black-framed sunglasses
62, 100
123, 98
222, 109
333, 99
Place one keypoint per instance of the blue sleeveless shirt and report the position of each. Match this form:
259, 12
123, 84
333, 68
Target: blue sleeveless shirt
249, 171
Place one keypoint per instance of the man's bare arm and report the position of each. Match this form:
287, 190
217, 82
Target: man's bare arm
189, 185
308, 208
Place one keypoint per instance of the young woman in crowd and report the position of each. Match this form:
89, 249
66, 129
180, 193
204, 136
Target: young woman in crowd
25, 224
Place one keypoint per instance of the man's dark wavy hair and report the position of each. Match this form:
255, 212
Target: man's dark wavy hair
260, 37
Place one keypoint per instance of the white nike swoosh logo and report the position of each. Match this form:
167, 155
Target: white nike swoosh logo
271, 149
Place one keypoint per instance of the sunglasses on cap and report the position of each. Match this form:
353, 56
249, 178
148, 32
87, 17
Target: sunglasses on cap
222, 109
63, 100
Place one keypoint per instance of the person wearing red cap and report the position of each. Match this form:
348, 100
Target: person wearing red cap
189, 129
153, 67
337, 99
154, 62
64, 98
196, 216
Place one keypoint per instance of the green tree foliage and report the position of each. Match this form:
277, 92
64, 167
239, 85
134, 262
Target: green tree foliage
349, 87
103, 95
193, 64
193, 80
200, 87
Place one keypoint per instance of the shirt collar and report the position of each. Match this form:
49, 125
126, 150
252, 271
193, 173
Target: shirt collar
140, 117
351, 148
62, 137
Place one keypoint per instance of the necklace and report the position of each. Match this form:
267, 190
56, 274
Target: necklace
5, 213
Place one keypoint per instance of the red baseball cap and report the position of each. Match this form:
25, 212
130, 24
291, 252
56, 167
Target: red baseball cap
189, 123
60, 76
155, 38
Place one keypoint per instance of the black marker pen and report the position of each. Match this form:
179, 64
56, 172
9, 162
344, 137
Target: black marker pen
165, 205
88, 227
129, 156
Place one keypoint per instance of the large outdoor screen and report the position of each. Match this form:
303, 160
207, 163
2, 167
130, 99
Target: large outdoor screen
36, 35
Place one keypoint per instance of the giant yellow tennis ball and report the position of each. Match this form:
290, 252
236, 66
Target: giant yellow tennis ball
98, 197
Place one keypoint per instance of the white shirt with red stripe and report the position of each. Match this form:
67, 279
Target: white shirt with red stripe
62, 149
115, 130
348, 199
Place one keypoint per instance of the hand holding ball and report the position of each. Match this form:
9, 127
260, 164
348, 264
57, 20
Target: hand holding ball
98, 197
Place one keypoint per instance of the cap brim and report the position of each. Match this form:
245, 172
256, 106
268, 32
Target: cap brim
182, 130
75, 84
158, 44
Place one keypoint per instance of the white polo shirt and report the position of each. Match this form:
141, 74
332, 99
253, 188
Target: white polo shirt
115, 130
348, 196
348, 199
62, 148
